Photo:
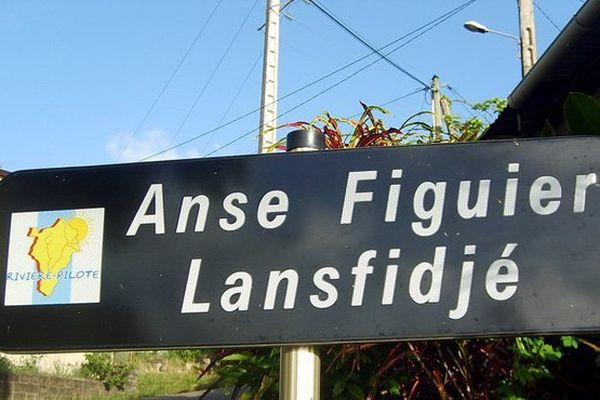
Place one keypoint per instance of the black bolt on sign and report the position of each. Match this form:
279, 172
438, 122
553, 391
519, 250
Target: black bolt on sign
440, 241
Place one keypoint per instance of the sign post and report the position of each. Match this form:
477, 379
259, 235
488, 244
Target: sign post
377, 244
300, 368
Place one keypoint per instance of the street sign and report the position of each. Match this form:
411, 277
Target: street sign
439, 241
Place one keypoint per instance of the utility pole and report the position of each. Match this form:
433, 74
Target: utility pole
268, 112
527, 30
447, 110
436, 106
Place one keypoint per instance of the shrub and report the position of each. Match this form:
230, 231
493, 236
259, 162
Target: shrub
100, 366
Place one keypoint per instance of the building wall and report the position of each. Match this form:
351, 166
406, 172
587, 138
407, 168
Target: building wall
47, 387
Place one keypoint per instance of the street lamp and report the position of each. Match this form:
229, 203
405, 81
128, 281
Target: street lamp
526, 63
474, 26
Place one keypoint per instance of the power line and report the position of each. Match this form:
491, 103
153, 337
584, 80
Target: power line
235, 97
418, 32
281, 9
240, 137
168, 82
403, 97
396, 99
365, 42
428, 26
546, 15
464, 102
213, 73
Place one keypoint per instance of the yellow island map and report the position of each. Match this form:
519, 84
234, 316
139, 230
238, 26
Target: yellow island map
54, 257
53, 248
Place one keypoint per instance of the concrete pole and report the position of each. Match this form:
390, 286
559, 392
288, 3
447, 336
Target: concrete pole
436, 105
300, 366
527, 30
268, 114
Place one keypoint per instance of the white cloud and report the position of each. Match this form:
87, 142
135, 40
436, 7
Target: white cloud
124, 147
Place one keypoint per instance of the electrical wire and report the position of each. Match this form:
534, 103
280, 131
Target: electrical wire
213, 73
403, 97
281, 9
546, 16
171, 77
463, 101
235, 97
358, 37
240, 137
396, 99
418, 32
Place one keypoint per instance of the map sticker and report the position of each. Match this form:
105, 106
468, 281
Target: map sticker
54, 257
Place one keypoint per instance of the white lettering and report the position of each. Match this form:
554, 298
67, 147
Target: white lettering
545, 188
436, 270
242, 292
275, 277
275, 201
582, 182
510, 196
330, 291
480, 208
155, 192
464, 292
391, 274
360, 273
393, 198
433, 214
236, 212
352, 196
188, 305
186, 206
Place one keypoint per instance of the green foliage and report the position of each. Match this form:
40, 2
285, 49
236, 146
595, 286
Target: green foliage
5, 365
29, 365
249, 374
156, 384
366, 131
186, 355
569, 342
582, 113
534, 360
492, 106
100, 366
483, 113
159, 383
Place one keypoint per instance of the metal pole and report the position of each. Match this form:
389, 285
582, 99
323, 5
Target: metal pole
436, 105
268, 113
527, 30
300, 366
300, 373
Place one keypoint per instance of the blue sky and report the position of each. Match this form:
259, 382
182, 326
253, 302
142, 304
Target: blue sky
77, 77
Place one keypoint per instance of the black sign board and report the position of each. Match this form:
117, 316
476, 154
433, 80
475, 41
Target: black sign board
441, 241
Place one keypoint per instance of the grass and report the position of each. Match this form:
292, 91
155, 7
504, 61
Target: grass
156, 383
159, 383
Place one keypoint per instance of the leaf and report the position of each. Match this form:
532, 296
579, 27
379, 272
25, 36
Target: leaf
582, 113
297, 124
569, 341
339, 387
236, 357
394, 387
356, 391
